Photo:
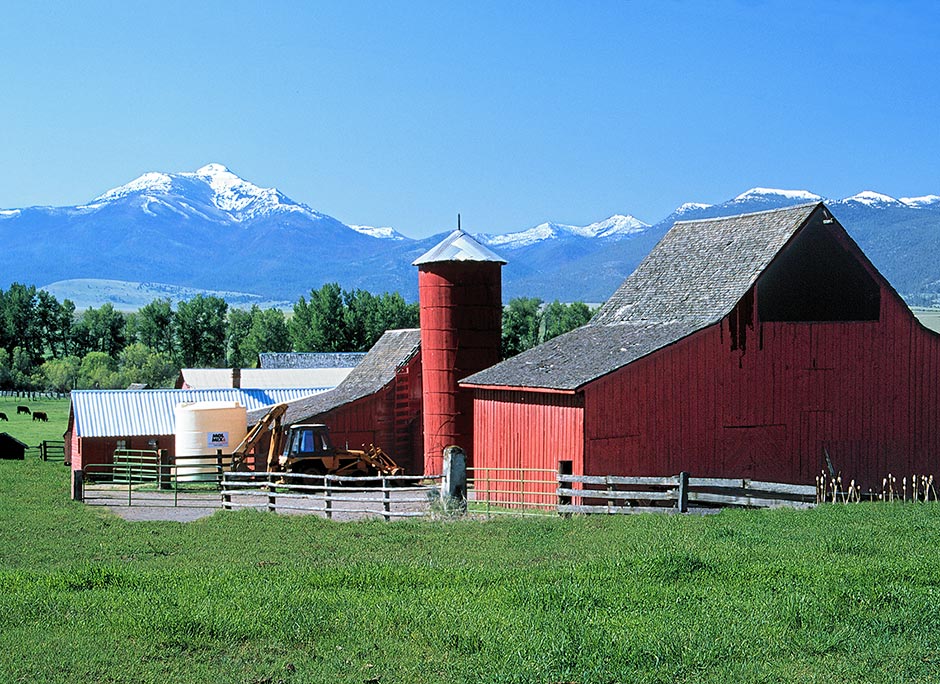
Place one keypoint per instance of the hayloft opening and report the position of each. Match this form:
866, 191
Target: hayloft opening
817, 279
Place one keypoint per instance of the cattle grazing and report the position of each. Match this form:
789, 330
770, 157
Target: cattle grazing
40, 415
22, 409
3, 416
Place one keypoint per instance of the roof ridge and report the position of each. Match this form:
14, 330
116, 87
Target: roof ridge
729, 217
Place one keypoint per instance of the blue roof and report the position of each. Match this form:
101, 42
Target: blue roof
120, 413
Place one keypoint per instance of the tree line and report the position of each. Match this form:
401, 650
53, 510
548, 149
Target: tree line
47, 345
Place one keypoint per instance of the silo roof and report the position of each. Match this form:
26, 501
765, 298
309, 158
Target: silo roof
458, 246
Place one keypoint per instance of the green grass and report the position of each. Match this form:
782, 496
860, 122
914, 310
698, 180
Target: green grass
31, 432
838, 593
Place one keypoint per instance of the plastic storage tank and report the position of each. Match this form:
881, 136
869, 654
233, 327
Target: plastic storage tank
202, 430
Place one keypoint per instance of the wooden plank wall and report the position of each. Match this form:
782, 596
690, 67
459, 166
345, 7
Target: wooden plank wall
865, 392
528, 432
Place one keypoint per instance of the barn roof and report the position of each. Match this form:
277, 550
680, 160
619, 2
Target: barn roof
693, 278
10, 439
315, 379
274, 360
126, 413
376, 370
458, 246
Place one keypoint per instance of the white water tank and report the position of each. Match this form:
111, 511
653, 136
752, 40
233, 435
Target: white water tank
202, 429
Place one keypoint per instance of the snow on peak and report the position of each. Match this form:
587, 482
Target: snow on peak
692, 206
384, 233
918, 202
149, 182
766, 193
871, 198
543, 231
615, 226
236, 195
618, 224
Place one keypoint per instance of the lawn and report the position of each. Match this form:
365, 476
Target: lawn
838, 593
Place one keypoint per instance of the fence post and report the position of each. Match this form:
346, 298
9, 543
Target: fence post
42, 450
78, 485
454, 479
386, 499
683, 502
163, 469
327, 500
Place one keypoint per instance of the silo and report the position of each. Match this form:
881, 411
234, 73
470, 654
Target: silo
460, 296
202, 430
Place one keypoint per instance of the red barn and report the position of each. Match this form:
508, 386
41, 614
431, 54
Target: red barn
758, 346
378, 403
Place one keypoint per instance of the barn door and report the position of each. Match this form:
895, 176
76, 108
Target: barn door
815, 438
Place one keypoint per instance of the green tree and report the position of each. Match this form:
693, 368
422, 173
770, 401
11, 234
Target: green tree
520, 325
155, 326
200, 332
268, 333
18, 323
58, 375
100, 330
557, 318
319, 326
236, 338
6, 370
98, 371
139, 363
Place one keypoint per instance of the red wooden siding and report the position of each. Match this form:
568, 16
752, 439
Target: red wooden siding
87, 451
461, 319
865, 392
390, 419
527, 431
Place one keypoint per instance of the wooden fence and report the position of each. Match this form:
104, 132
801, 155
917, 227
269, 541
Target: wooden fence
332, 496
610, 494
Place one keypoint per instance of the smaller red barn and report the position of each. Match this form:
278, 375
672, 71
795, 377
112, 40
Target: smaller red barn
378, 403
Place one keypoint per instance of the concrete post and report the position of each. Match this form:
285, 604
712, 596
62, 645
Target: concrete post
78, 485
454, 479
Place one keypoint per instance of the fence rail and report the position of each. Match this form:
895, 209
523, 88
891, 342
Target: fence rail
589, 494
332, 496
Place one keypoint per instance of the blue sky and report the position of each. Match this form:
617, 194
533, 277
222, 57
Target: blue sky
511, 113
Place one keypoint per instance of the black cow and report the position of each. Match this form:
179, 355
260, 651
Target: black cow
22, 409
40, 415
3, 416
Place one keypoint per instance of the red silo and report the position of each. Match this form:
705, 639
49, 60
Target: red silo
460, 294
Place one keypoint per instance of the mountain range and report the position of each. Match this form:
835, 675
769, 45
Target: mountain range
173, 234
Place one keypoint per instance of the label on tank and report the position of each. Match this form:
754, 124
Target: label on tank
217, 440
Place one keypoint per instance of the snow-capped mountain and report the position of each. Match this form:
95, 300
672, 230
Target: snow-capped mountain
207, 192
212, 230
615, 227
384, 233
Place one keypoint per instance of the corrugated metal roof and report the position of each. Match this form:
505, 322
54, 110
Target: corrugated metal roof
265, 378
458, 246
310, 359
119, 413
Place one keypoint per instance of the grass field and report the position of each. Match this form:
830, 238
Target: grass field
31, 432
838, 593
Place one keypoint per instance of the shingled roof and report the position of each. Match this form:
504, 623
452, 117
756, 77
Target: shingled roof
374, 372
693, 278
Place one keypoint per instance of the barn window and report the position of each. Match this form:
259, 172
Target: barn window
817, 279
